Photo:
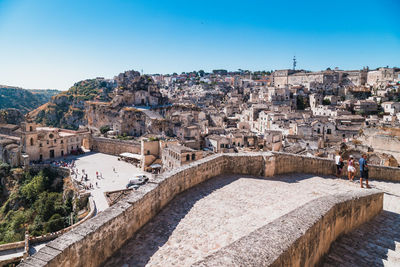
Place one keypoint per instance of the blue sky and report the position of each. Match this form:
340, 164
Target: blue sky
54, 43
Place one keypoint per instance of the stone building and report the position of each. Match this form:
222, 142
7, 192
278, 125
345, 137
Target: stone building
219, 144
175, 155
381, 75
42, 143
365, 106
391, 107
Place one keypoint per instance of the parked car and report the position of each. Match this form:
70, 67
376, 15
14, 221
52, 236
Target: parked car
137, 181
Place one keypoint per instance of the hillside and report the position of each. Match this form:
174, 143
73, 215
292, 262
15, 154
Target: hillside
66, 110
22, 99
32, 200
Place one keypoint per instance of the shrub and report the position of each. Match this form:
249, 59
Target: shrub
56, 222
104, 129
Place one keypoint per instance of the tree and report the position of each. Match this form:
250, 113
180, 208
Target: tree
32, 189
104, 129
55, 223
301, 103
48, 204
326, 102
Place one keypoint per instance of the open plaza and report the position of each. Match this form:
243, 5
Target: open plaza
113, 174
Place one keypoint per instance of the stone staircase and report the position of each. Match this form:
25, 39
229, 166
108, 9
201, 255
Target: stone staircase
376, 243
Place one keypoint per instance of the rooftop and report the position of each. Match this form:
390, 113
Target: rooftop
180, 148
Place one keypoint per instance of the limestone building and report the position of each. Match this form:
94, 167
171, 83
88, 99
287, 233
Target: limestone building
42, 143
175, 155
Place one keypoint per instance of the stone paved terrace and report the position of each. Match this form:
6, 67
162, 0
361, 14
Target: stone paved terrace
377, 242
104, 164
212, 215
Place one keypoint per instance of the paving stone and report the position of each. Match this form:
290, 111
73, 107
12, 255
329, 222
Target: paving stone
376, 243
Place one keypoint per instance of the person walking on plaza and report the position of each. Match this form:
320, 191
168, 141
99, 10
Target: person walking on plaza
351, 170
364, 171
339, 164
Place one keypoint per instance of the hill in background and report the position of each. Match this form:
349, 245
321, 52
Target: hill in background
24, 100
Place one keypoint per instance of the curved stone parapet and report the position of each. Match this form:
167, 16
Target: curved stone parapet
301, 237
94, 241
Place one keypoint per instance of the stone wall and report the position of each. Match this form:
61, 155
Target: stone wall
92, 242
113, 146
282, 163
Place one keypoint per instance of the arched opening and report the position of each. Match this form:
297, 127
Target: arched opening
31, 141
187, 157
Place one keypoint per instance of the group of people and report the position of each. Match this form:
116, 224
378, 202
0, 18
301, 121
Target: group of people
84, 181
351, 168
63, 163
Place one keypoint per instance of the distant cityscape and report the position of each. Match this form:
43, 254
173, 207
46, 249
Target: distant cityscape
107, 138
297, 111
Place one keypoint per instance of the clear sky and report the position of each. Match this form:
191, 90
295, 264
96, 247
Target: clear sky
54, 43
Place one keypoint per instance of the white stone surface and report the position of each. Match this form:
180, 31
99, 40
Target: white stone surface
104, 164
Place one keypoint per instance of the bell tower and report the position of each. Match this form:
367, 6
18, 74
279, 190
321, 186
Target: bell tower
29, 139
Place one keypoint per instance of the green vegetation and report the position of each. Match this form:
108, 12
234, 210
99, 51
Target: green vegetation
22, 99
104, 129
124, 136
35, 203
89, 90
302, 103
326, 102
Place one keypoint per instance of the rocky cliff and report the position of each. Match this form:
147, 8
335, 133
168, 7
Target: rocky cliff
66, 110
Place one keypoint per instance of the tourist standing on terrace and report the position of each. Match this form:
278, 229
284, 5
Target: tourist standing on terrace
351, 170
339, 164
364, 171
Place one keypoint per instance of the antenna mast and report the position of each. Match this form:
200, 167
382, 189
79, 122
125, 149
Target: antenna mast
294, 63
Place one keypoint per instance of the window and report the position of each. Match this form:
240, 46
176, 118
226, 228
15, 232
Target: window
187, 157
47, 142
40, 145
222, 145
319, 130
51, 136
193, 156
30, 128
31, 141
62, 141
329, 131
148, 152
55, 141
62, 152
